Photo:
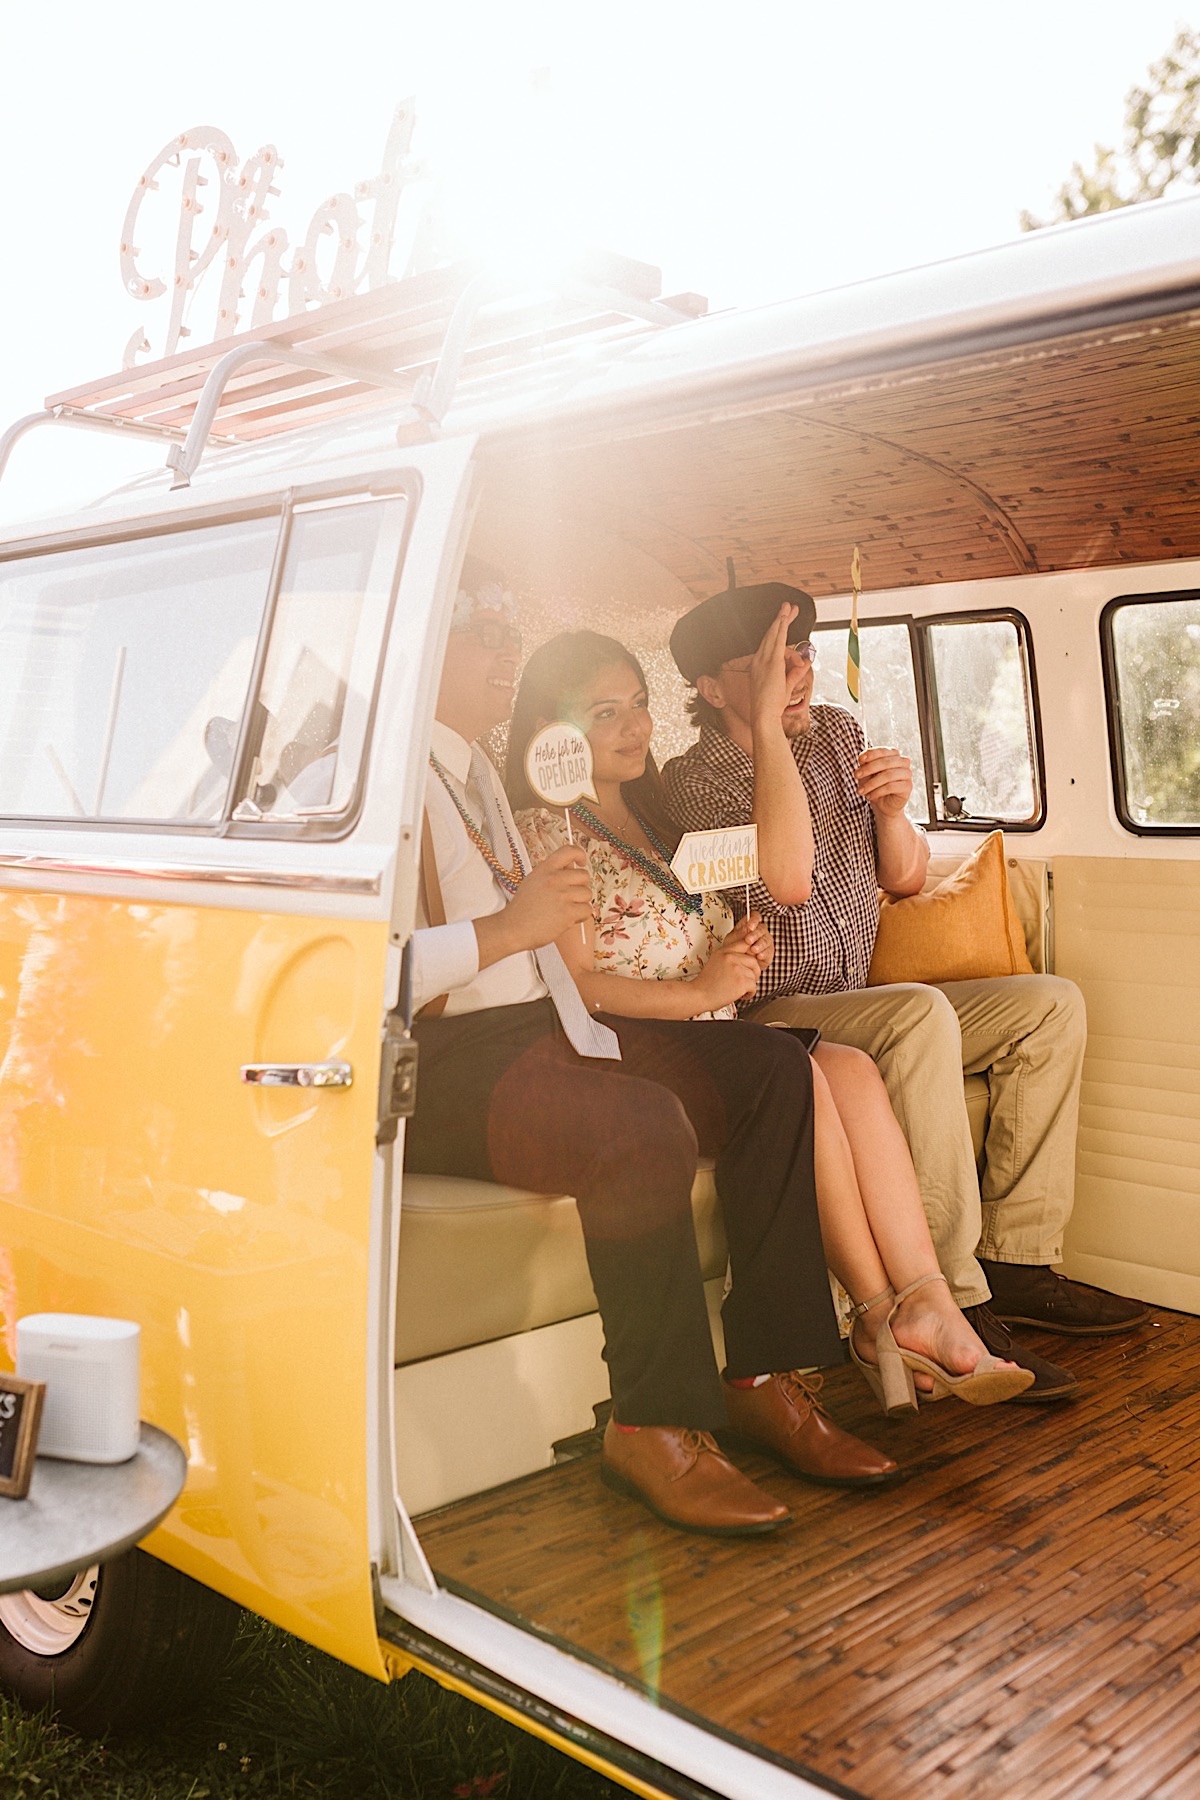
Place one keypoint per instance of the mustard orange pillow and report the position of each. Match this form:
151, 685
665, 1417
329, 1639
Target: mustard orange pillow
965, 929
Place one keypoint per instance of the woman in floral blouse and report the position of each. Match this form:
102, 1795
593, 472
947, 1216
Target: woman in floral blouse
657, 951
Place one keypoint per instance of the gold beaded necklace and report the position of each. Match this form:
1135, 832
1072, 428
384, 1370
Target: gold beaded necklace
511, 878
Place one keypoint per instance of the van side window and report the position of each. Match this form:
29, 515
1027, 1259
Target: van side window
957, 696
888, 713
1152, 681
124, 671
980, 690
309, 727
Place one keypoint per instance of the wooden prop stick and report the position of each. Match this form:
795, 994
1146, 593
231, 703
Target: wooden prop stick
571, 839
558, 767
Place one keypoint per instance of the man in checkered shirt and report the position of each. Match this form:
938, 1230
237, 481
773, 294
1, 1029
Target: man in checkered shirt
832, 832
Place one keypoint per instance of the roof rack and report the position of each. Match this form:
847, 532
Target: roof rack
420, 338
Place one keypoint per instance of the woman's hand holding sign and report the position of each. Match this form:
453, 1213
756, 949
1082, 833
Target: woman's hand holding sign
730, 974
753, 933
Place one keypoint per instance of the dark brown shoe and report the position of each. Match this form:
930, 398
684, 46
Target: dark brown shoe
784, 1417
1050, 1382
1036, 1295
685, 1480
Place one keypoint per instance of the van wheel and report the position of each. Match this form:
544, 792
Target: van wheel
115, 1644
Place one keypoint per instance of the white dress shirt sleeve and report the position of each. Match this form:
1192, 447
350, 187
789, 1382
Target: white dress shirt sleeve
444, 957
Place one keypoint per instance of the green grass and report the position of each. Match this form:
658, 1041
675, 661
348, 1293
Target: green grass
287, 1723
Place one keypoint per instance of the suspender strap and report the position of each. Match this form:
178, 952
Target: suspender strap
432, 904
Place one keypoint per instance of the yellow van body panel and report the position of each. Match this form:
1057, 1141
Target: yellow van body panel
141, 1178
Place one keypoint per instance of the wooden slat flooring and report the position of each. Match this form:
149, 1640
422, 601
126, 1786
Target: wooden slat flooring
1019, 1617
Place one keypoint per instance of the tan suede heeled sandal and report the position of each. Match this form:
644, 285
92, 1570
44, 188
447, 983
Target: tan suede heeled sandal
989, 1381
890, 1381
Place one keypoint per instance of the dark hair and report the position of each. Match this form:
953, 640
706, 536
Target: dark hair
553, 678
702, 712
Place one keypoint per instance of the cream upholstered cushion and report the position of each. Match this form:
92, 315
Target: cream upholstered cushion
479, 1261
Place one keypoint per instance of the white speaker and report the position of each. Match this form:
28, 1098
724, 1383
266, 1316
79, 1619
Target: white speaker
91, 1370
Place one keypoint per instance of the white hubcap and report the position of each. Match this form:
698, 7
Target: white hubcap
47, 1627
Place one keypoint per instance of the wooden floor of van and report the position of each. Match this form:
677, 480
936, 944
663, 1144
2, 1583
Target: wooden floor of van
1020, 1616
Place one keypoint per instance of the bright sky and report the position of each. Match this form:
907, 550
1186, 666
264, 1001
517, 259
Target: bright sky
753, 150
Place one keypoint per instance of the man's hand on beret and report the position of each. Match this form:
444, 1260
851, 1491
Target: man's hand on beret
770, 683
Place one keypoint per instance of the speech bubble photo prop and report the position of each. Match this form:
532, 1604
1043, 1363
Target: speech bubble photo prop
707, 861
558, 767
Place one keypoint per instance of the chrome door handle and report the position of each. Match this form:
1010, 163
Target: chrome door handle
301, 1075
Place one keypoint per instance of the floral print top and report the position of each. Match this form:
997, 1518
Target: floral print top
640, 930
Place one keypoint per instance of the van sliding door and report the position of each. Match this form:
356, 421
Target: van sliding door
206, 769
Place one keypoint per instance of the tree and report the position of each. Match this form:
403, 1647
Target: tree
1161, 152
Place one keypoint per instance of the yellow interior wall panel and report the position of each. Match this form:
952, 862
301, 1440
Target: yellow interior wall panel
1129, 933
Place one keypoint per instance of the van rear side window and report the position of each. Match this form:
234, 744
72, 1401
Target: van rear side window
957, 696
123, 670
888, 712
1151, 648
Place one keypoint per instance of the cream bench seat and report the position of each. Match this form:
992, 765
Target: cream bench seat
479, 1262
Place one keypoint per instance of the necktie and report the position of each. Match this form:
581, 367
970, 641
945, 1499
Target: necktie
585, 1034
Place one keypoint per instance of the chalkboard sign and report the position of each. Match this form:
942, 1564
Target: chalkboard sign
20, 1414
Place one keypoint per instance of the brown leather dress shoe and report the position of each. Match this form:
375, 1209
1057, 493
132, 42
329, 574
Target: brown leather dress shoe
1038, 1296
684, 1479
784, 1417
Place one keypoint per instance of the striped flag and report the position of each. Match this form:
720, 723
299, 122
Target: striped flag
853, 659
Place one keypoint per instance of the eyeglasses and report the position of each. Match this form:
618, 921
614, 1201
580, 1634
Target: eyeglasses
495, 636
807, 652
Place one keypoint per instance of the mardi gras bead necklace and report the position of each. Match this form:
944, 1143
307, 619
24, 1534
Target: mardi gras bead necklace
510, 879
659, 872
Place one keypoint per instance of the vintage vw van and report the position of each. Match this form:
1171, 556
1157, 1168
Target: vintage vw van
216, 694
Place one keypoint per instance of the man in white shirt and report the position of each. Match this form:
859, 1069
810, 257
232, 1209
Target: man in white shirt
519, 1085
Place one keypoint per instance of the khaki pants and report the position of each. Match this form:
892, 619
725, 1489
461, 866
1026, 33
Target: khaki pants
1026, 1033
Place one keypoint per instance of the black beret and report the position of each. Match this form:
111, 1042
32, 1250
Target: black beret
734, 623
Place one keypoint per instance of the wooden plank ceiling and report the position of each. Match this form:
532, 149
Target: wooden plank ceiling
1077, 453
1021, 1616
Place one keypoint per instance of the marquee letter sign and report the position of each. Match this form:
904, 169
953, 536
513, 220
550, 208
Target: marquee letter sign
241, 257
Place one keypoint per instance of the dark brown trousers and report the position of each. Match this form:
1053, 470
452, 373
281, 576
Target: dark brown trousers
502, 1096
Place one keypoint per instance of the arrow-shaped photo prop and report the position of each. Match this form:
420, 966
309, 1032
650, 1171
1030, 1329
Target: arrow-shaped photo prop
707, 861
558, 767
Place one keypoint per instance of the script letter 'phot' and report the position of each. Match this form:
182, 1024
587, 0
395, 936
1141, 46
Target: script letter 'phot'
225, 244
